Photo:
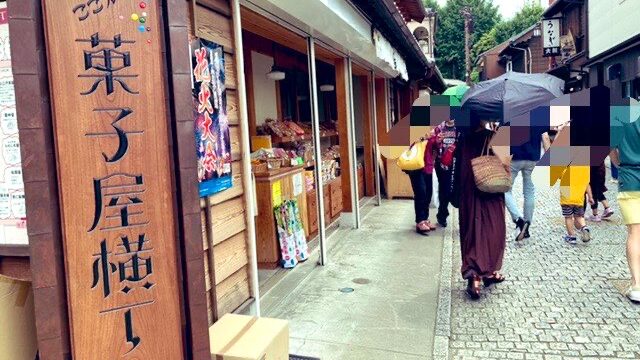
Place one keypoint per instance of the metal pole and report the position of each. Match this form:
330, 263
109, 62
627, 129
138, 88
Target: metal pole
246, 150
352, 148
317, 172
376, 147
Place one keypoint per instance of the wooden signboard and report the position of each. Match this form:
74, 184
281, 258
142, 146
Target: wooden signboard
110, 124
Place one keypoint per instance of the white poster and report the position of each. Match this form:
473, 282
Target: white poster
13, 222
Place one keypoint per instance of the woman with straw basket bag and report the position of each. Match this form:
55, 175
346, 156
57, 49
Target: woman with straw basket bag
484, 179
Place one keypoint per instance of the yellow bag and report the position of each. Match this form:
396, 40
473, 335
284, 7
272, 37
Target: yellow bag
413, 158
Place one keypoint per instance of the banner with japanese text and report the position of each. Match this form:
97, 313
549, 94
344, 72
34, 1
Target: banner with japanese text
213, 144
107, 76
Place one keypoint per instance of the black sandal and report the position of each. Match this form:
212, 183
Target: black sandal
473, 288
496, 278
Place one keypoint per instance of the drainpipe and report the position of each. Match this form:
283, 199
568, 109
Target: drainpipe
530, 62
247, 178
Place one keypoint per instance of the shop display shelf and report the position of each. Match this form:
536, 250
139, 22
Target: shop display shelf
290, 139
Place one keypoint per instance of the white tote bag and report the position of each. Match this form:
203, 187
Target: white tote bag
435, 201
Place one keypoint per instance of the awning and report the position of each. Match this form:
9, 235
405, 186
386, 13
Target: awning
340, 25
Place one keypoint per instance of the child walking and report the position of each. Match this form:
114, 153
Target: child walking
598, 188
572, 198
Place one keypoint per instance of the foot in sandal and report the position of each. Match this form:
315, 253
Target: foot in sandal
423, 228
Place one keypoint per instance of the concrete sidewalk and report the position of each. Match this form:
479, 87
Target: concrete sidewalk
391, 312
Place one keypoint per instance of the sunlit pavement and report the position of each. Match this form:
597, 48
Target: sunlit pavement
394, 276
559, 301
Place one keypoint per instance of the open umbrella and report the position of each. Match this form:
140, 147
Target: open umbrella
511, 95
455, 94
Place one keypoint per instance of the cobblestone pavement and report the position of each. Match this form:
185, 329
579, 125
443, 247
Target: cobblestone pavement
559, 301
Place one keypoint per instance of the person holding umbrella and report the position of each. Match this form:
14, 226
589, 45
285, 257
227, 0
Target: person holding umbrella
482, 225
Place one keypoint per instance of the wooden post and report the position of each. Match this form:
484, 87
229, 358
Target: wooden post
382, 118
466, 12
367, 128
35, 124
342, 98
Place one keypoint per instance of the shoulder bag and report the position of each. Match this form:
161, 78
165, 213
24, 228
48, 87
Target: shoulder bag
489, 173
413, 158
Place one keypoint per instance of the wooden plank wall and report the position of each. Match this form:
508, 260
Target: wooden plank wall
226, 254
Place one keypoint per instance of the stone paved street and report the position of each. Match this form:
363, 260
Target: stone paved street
559, 301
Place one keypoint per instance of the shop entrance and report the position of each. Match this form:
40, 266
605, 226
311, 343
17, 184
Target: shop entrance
283, 153
284, 157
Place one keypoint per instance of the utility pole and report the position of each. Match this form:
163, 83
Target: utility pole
468, 29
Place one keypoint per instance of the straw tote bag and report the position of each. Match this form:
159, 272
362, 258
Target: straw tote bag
413, 158
489, 173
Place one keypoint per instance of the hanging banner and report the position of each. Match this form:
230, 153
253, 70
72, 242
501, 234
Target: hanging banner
213, 145
551, 36
13, 221
107, 72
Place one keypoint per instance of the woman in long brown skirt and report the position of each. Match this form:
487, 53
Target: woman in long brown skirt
482, 221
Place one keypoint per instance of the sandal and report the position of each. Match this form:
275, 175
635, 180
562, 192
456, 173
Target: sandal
473, 288
431, 226
423, 228
496, 278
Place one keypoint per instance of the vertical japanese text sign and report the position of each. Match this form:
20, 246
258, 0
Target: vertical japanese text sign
551, 36
107, 85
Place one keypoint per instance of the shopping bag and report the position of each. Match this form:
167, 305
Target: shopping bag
489, 172
413, 158
435, 200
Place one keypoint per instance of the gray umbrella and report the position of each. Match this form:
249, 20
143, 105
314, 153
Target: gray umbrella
511, 95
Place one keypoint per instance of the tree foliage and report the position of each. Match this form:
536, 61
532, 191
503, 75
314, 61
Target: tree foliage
433, 4
450, 35
504, 30
489, 31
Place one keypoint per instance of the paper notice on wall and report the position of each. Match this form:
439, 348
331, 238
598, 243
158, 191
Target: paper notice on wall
12, 205
298, 184
276, 193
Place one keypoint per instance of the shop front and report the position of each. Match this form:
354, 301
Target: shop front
324, 180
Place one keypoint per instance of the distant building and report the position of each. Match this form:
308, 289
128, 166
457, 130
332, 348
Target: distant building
573, 30
520, 53
613, 49
425, 33
488, 63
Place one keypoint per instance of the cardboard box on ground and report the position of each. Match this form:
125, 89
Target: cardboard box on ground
17, 320
240, 337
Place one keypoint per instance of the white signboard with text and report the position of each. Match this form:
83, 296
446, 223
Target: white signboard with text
13, 222
551, 36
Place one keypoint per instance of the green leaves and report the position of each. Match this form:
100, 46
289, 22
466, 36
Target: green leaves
489, 31
450, 34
